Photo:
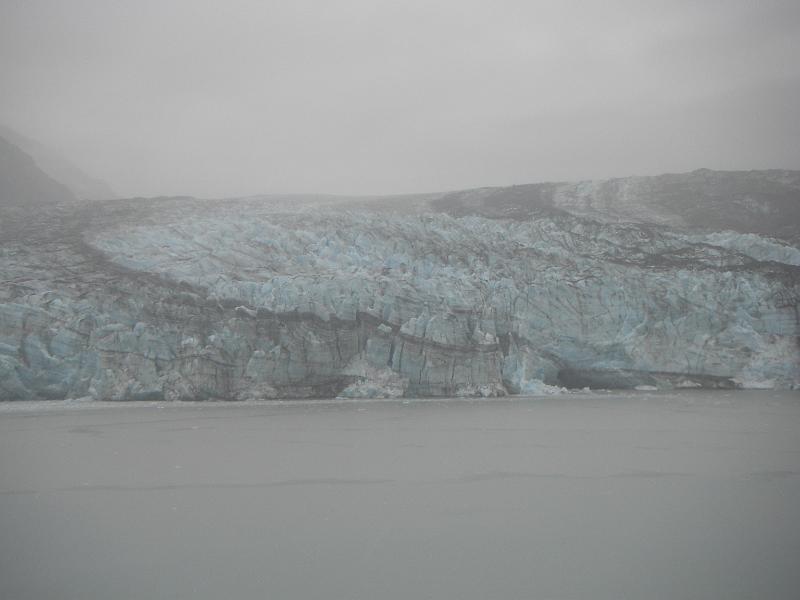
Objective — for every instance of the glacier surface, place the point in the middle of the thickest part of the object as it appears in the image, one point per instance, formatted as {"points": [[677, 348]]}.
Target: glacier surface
{"points": [[246, 299]]}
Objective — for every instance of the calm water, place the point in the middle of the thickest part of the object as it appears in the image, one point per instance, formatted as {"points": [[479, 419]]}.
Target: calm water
{"points": [[691, 495]]}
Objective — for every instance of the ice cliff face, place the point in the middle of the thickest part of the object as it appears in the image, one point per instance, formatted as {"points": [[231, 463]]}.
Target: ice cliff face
{"points": [[182, 299]]}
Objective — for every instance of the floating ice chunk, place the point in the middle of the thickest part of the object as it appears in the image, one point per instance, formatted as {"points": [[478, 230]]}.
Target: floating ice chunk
{"points": [[687, 384], [764, 384], [536, 387]]}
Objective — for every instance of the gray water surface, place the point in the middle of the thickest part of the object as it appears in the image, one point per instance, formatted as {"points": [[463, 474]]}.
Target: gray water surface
{"points": [[596, 496]]}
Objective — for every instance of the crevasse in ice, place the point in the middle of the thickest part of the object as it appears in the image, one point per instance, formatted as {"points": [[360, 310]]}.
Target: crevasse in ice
{"points": [[365, 304]]}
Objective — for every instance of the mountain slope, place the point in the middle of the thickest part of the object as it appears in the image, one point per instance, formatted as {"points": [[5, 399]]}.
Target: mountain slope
{"points": [[23, 184], [762, 202], [59, 168]]}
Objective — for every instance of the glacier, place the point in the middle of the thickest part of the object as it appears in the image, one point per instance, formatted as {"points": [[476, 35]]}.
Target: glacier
{"points": [[182, 299]]}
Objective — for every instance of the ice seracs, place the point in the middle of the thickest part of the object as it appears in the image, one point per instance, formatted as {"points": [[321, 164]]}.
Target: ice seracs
{"points": [[209, 302]]}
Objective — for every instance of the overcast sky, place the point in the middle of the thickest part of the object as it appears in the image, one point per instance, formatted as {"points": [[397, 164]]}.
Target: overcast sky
{"points": [[370, 96]]}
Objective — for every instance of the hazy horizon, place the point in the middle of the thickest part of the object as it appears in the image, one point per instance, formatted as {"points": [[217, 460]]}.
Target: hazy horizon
{"points": [[242, 98]]}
